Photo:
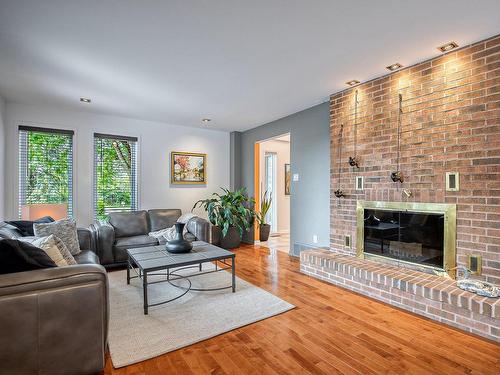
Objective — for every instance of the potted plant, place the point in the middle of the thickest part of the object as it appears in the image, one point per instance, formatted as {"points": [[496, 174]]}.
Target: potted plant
{"points": [[232, 215], [265, 204]]}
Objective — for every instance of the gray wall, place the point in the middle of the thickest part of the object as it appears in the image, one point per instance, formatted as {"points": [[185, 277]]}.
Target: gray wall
{"points": [[2, 159], [235, 160], [310, 158]]}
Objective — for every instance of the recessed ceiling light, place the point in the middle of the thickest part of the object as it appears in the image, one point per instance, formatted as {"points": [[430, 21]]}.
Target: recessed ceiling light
{"points": [[394, 67], [448, 46], [85, 100], [206, 120], [352, 82]]}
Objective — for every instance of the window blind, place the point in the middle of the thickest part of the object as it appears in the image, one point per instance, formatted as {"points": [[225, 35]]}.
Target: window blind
{"points": [[45, 171], [115, 174]]}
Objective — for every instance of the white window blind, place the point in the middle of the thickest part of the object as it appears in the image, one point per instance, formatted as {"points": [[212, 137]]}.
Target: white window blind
{"points": [[115, 174], [45, 172]]}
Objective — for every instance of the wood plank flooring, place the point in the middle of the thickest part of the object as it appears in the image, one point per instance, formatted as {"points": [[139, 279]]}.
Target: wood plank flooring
{"points": [[332, 331]]}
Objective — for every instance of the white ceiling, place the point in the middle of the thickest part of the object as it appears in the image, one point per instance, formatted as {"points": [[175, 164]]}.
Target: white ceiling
{"points": [[241, 63]]}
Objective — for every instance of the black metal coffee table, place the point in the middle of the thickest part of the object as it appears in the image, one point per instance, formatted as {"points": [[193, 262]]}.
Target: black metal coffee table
{"points": [[151, 260]]}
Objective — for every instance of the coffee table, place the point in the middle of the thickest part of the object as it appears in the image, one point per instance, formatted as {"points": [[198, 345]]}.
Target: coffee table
{"points": [[157, 261]]}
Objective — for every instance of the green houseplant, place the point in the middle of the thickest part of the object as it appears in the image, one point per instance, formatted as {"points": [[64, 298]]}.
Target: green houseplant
{"points": [[265, 204], [231, 213]]}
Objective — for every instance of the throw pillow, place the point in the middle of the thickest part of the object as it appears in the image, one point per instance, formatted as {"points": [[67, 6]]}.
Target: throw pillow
{"points": [[26, 226], [64, 229], [54, 247], [184, 218], [18, 256]]}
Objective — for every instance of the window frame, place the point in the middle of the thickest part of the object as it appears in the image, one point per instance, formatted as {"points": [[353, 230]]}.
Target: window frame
{"points": [[21, 181], [136, 139]]}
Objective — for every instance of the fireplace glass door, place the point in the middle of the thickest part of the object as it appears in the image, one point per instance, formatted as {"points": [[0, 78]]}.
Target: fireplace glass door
{"points": [[405, 236]]}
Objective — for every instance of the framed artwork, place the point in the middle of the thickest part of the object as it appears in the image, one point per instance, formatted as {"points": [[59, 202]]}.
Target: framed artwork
{"points": [[187, 168], [288, 178]]}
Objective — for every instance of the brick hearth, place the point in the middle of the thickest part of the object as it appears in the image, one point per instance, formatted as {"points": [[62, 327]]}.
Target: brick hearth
{"points": [[432, 296]]}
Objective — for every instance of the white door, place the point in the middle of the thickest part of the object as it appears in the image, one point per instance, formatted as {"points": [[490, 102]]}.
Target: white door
{"points": [[270, 186]]}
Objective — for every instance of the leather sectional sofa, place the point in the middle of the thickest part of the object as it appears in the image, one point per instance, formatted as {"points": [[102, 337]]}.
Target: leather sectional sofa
{"points": [[126, 230], [54, 320]]}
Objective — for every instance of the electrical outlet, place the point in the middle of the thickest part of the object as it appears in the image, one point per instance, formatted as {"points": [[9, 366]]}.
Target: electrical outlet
{"points": [[347, 241], [315, 238], [359, 183], [452, 181], [474, 263]]}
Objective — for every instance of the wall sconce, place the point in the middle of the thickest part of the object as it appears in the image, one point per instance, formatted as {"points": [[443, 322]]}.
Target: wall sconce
{"points": [[397, 177], [353, 161], [339, 193]]}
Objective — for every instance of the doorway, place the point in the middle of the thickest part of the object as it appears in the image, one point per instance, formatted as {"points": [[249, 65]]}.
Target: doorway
{"points": [[272, 175]]}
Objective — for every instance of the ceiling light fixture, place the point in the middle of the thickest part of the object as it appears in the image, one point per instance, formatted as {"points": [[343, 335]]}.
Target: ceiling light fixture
{"points": [[448, 46], [352, 82], [206, 120], [394, 67], [85, 100]]}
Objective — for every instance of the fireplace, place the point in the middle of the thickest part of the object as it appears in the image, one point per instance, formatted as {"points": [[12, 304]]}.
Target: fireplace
{"points": [[419, 236]]}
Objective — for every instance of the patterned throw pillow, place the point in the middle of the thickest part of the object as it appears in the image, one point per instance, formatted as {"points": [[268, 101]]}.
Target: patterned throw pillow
{"points": [[64, 229], [54, 247]]}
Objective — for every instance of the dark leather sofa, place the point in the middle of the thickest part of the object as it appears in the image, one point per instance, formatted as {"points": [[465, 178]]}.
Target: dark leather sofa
{"points": [[125, 230], [54, 320]]}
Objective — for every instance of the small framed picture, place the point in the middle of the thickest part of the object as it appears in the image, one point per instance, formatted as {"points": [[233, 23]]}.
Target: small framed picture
{"points": [[187, 168], [288, 179]]}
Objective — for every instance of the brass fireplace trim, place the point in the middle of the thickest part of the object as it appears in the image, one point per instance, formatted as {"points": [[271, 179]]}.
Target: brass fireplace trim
{"points": [[450, 228]]}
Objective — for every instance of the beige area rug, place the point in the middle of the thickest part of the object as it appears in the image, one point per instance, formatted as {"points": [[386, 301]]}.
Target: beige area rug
{"points": [[197, 316]]}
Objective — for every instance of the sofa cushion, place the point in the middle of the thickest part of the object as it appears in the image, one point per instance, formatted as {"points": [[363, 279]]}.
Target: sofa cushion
{"points": [[9, 231], [135, 241], [65, 229], [18, 256], [87, 257], [128, 224], [122, 244], [26, 226], [54, 247], [187, 236], [163, 218]]}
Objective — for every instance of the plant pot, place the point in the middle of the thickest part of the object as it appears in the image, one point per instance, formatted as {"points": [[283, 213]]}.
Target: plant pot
{"points": [[179, 244], [231, 240], [216, 235], [264, 230]]}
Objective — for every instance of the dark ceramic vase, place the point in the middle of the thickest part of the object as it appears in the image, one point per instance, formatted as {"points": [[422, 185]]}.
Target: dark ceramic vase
{"points": [[179, 244]]}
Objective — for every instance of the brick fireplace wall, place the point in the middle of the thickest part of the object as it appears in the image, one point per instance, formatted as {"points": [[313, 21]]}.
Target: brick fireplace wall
{"points": [[450, 123]]}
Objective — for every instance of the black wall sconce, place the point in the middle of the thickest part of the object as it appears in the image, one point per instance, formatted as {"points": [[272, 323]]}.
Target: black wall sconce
{"points": [[339, 193], [397, 177]]}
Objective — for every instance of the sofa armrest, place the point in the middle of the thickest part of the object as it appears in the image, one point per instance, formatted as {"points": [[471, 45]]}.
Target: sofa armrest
{"points": [[199, 228], [104, 238], [85, 239], [54, 320]]}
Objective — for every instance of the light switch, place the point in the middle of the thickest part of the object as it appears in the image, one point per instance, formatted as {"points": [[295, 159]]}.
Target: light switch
{"points": [[295, 177]]}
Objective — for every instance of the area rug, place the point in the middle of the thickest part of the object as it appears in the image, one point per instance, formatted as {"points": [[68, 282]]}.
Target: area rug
{"points": [[197, 316]]}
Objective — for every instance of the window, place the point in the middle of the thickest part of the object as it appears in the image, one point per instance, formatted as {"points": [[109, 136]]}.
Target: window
{"points": [[115, 174], [45, 173], [270, 168]]}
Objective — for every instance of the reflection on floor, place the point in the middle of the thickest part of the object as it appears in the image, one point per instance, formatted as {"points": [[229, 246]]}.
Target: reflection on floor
{"points": [[279, 242]]}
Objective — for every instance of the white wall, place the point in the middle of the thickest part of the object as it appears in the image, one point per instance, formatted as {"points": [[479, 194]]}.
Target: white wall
{"points": [[2, 158], [156, 141], [282, 150]]}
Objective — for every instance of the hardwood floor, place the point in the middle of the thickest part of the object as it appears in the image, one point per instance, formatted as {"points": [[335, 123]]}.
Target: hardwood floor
{"points": [[331, 331]]}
